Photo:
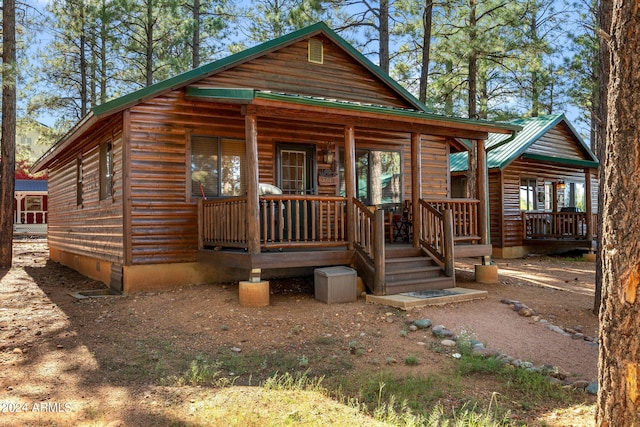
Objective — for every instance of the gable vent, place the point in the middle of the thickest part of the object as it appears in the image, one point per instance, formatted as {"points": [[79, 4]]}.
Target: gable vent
{"points": [[316, 54]]}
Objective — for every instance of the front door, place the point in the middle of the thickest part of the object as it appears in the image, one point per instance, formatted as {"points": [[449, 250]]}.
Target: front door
{"points": [[295, 176], [295, 169]]}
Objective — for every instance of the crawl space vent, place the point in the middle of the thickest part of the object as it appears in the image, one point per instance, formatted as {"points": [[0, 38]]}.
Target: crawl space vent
{"points": [[316, 54]]}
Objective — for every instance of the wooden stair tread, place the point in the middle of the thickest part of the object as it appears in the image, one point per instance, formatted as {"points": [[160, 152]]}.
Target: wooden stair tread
{"points": [[417, 269]]}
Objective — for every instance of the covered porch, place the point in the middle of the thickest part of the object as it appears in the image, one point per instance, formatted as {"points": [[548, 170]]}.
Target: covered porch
{"points": [[562, 229], [574, 225], [325, 219]]}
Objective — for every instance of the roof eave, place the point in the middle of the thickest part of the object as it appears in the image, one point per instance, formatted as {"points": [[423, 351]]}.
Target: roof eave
{"points": [[524, 147], [469, 124], [561, 160], [82, 126], [584, 145], [252, 96]]}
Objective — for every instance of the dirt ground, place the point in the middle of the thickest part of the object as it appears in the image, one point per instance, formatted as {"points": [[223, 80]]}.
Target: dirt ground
{"points": [[71, 362]]}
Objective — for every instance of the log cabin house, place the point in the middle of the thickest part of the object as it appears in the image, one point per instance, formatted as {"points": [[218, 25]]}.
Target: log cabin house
{"points": [[281, 158], [543, 188]]}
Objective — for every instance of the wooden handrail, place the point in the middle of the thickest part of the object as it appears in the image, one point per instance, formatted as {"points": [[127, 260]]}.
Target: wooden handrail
{"points": [[436, 234], [369, 241], [555, 225], [363, 218], [431, 231]]}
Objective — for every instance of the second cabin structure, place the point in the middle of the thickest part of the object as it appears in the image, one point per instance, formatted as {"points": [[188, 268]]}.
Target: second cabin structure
{"points": [[296, 153], [543, 188]]}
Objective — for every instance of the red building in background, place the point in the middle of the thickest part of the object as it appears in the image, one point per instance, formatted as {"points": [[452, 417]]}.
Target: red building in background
{"points": [[30, 204]]}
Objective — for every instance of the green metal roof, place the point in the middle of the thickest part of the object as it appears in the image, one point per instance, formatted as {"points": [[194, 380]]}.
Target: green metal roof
{"points": [[504, 149], [242, 94]]}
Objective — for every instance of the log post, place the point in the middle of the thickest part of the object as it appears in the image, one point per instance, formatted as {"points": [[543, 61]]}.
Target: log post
{"points": [[482, 195], [350, 180], [588, 205], [449, 266], [253, 200], [200, 225], [416, 186]]}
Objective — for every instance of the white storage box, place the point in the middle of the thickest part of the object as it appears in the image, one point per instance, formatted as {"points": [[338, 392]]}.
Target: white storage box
{"points": [[334, 285]]}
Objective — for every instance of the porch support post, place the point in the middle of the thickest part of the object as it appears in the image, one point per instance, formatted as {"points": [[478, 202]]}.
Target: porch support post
{"points": [[18, 214], [253, 201], [482, 195], [588, 204], [350, 179], [416, 186]]}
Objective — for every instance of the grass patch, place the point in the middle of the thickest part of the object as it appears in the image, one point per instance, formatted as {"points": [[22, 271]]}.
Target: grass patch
{"points": [[413, 392], [411, 360], [288, 399], [532, 388]]}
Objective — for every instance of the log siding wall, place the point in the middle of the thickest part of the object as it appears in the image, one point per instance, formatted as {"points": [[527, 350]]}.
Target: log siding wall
{"points": [[558, 142], [95, 228], [289, 71]]}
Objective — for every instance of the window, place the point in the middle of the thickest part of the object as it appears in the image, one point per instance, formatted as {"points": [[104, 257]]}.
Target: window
{"points": [[218, 167], [33, 203], [574, 196], [106, 170], [549, 195], [528, 194], [378, 178], [79, 181]]}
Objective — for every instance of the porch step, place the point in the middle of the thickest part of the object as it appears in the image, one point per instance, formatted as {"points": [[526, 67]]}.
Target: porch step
{"points": [[404, 251], [416, 272], [426, 284]]}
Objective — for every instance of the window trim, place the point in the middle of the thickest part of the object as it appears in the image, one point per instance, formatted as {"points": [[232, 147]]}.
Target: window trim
{"points": [[528, 180], [79, 179], [28, 200], [218, 140]]}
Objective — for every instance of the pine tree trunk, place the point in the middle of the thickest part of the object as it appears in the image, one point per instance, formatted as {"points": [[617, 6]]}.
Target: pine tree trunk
{"points": [[619, 395], [8, 151], [473, 64], [195, 55], [600, 131], [149, 47], [427, 20], [84, 97], [384, 35]]}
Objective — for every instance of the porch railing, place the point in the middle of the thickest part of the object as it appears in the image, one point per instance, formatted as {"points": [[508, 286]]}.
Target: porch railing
{"points": [[368, 224], [301, 220], [436, 234], [285, 221], [557, 225], [223, 222], [30, 217], [465, 217]]}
